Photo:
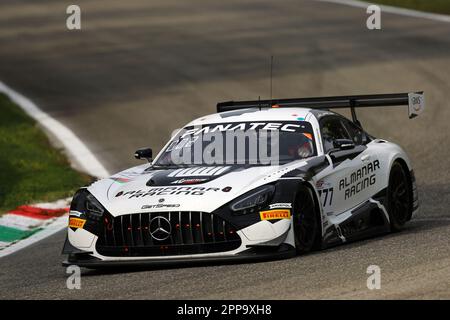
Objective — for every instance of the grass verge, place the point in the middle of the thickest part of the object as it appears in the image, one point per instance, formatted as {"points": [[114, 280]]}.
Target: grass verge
{"points": [[31, 170], [436, 6]]}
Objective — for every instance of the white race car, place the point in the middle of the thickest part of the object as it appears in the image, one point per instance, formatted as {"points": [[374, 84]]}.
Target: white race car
{"points": [[329, 183]]}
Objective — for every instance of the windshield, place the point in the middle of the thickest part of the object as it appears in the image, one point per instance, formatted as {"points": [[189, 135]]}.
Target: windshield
{"points": [[242, 143]]}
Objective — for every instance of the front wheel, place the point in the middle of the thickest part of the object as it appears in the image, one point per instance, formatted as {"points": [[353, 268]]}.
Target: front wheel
{"points": [[304, 220], [398, 197]]}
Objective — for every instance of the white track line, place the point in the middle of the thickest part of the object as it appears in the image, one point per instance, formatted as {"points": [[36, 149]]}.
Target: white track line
{"points": [[72, 144], [394, 10], [77, 149]]}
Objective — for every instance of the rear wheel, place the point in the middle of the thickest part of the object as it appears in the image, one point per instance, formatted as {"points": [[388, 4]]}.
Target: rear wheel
{"points": [[305, 220], [398, 197]]}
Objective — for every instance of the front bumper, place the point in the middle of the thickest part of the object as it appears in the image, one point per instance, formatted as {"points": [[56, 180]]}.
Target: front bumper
{"points": [[85, 259]]}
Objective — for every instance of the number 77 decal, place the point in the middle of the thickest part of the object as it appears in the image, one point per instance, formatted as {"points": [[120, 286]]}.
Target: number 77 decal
{"points": [[326, 196]]}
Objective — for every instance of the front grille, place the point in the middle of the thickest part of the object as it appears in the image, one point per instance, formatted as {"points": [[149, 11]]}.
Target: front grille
{"points": [[191, 233]]}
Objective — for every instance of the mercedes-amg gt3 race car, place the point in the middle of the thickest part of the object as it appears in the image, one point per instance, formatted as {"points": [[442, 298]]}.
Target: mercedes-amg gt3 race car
{"points": [[310, 178]]}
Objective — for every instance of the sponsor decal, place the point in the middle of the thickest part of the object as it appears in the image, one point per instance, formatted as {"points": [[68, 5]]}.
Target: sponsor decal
{"points": [[159, 206], [285, 205], [166, 191], [189, 181], [244, 126], [226, 189], [75, 213], [76, 223], [199, 171], [275, 214], [359, 179]]}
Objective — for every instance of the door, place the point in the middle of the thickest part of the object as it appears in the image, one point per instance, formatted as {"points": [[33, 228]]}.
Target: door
{"points": [[348, 181]]}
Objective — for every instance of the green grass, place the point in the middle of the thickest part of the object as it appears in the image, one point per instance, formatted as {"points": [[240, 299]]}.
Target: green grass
{"points": [[436, 6], [31, 170]]}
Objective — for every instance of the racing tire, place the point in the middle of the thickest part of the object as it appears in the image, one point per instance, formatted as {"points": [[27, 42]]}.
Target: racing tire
{"points": [[398, 197], [305, 220]]}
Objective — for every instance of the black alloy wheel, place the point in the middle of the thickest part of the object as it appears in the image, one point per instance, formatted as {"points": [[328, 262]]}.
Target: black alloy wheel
{"points": [[305, 220], [398, 197]]}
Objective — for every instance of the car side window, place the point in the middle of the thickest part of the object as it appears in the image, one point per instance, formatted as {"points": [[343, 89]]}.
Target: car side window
{"points": [[332, 128], [356, 134]]}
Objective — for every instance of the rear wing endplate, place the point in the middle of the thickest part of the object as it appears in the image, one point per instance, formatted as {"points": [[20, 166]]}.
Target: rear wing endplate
{"points": [[416, 104]]}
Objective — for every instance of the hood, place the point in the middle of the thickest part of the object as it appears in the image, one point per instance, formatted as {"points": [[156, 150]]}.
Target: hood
{"points": [[144, 189]]}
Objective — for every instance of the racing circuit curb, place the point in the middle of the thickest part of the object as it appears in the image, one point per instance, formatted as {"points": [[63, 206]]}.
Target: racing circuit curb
{"points": [[27, 224]]}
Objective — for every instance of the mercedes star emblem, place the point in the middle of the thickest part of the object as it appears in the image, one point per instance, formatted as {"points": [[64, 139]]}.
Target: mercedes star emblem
{"points": [[160, 228]]}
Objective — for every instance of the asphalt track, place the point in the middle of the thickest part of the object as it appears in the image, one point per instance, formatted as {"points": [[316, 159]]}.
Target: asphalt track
{"points": [[139, 69]]}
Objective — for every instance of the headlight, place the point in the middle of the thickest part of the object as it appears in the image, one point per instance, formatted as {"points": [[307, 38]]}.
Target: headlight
{"points": [[93, 208], [253, 200], [85, 203]]}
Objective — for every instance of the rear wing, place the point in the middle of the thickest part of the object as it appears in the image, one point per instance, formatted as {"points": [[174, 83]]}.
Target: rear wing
{"points": [[415, 102]]}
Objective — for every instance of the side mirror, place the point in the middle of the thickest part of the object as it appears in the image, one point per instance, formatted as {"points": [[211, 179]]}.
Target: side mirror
{"points": [[145, 153], [343, 144]]}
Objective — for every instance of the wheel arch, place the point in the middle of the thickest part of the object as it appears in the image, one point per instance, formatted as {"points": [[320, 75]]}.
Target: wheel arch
{"points": [[318, 212]]}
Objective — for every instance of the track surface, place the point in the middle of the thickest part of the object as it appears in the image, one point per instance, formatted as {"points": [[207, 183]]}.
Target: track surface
{"points": [[139, 69]]}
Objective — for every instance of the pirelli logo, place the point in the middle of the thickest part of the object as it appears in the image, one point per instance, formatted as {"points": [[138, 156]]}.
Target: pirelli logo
{"points": [[76, 223], [275, 214]]}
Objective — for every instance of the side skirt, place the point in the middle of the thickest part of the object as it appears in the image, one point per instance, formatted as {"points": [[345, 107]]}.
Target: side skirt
{"points": [[367, 220]]}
